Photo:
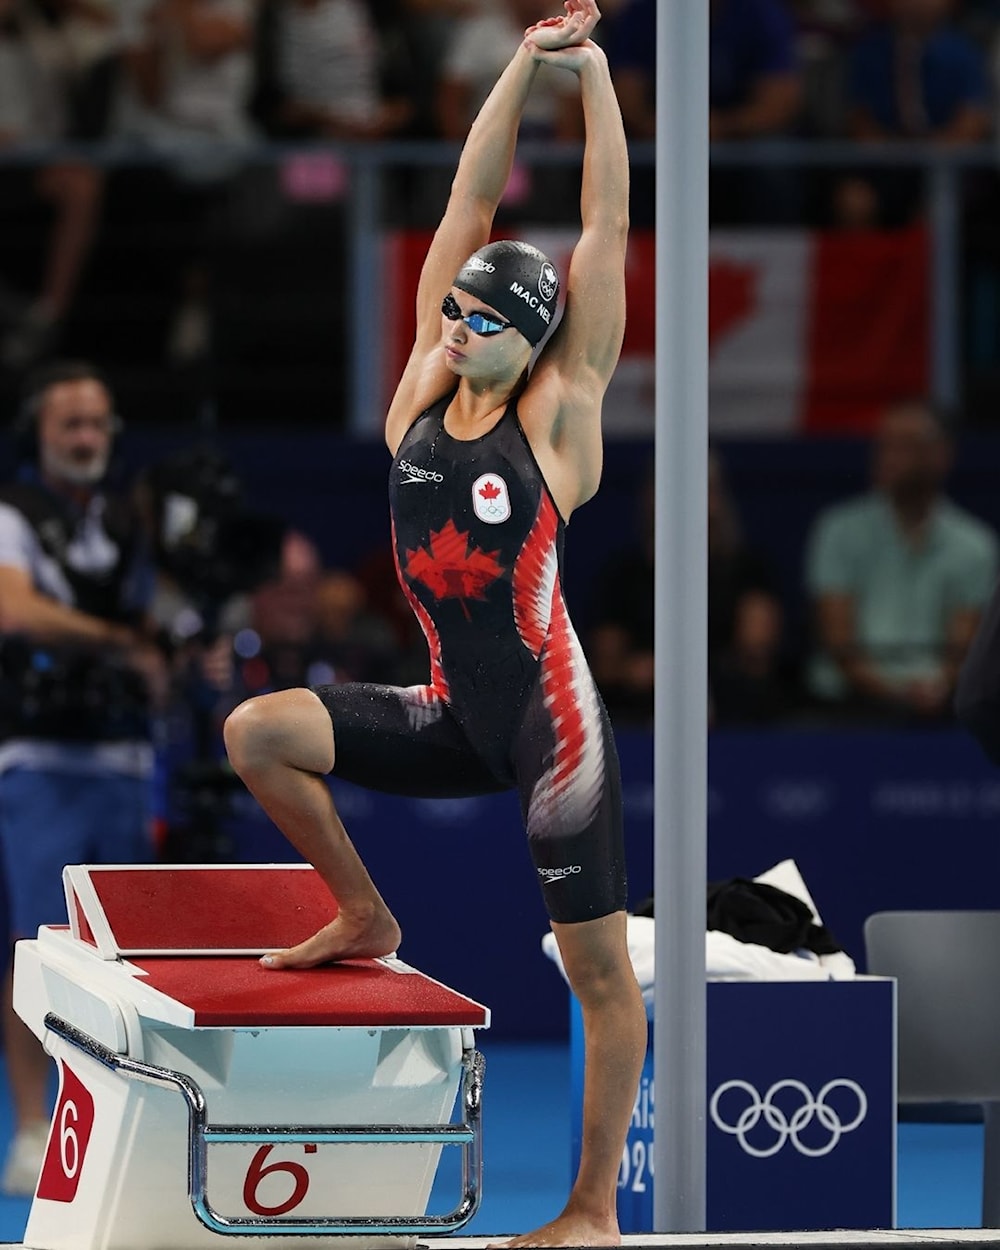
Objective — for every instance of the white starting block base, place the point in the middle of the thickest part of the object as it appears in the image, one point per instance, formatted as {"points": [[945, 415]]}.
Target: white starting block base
{"points": [[203, 1096]]}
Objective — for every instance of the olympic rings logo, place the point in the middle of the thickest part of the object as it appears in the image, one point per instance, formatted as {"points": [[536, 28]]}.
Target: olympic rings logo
{"points": [[788, 1127]]}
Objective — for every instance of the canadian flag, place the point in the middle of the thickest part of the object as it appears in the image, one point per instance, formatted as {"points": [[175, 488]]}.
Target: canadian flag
{"points": [[814, 332], [809, 332]]}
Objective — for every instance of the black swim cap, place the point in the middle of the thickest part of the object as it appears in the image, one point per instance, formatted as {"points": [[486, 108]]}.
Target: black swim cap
{"points": [[516, 279]]}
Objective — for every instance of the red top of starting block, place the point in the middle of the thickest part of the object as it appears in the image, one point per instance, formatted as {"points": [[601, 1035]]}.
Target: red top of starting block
{"points": [[182, 927], [370, 993]]}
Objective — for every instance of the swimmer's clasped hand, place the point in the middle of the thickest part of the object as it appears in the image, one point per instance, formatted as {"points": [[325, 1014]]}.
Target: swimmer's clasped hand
{"points": [[552, 33]]}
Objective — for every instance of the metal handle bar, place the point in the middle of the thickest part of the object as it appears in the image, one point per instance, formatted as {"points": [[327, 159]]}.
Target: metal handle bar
{"points": [[468, 1135]]}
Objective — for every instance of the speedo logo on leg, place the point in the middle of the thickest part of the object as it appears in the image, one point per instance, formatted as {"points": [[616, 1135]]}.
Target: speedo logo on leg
{"points": [[415, 474], [550, 875]]}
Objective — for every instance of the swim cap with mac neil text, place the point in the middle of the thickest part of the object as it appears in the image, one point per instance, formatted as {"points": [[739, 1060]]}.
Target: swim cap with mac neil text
{"points": [[516, 279]]}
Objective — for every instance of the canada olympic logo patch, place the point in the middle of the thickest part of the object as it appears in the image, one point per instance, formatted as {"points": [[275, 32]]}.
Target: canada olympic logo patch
{"points": [[490, 498]]}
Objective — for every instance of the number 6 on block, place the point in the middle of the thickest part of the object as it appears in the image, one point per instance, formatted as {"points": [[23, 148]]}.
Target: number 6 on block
{"points": [[68, 1139], [257, 1173]]}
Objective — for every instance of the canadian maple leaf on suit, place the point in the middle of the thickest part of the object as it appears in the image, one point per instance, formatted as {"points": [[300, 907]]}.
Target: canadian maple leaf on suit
{"points": [[451, 566]]}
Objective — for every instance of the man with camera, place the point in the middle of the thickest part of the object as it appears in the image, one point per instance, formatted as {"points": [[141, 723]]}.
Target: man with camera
{"points": [[79, 677]]}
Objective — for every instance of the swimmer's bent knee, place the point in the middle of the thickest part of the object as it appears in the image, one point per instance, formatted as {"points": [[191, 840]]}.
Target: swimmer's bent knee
{"points": [[244, 727], [288, 727]]}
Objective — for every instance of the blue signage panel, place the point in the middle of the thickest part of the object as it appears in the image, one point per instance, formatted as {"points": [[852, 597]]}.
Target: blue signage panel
{"points": [[801, 1127]]}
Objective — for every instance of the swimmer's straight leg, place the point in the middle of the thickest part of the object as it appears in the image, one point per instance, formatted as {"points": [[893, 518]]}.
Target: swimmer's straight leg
{"points": [[595, 956], [282, 747]]}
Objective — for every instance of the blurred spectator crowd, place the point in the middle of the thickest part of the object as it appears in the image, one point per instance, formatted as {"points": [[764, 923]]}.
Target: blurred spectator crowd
{"points": [[891, 585], [171, 72], [168, 81]]}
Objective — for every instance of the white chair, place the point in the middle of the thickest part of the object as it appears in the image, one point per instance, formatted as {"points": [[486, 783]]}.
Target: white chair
{"points": [[947, 966]]}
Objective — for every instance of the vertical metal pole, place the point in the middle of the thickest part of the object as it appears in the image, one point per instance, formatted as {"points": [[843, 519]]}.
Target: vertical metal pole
{"points": [[946, 248], [680, 752], [365, 398]]}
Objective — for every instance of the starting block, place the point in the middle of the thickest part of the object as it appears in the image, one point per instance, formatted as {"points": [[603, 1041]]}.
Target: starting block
{"points": [[202, 1095]]}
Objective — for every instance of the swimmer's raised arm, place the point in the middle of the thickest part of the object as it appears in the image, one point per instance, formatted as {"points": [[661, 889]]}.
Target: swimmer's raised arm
{"points": [[488, 156], [561, 411], [483, 170], [590, 334]]}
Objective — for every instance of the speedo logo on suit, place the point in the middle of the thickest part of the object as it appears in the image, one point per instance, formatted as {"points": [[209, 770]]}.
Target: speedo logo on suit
{"points": [[415, 474], [550, 876]]}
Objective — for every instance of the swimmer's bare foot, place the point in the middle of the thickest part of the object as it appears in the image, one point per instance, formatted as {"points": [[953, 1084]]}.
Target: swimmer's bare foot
{"points": [[347, 937], [570, 1229]]}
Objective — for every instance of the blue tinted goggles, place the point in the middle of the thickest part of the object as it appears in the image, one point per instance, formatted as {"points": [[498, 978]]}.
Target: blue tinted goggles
{"points": [[477, 322]]}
